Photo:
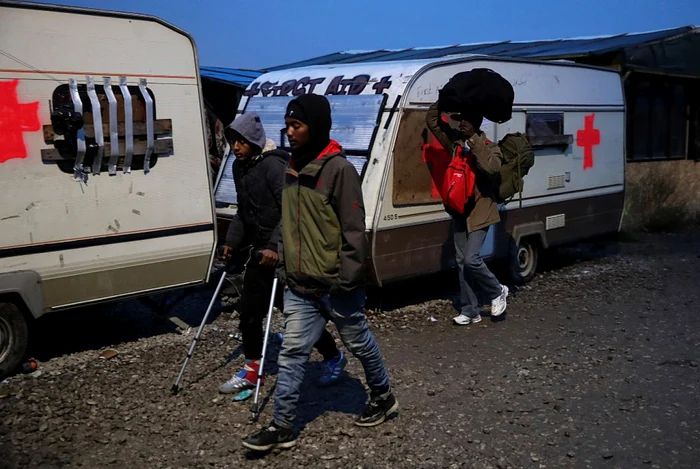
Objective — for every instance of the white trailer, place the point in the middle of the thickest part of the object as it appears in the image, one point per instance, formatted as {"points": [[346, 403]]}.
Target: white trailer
{"points": [[572, 114], [104, 172]]}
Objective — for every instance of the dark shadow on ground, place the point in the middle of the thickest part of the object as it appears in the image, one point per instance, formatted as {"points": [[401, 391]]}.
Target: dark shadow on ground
{"points": [[96, 327], [99, 326], [445, 285]]}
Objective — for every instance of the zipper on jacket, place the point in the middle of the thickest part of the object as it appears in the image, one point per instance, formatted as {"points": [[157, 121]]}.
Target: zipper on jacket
{"points": [[299, 221]]}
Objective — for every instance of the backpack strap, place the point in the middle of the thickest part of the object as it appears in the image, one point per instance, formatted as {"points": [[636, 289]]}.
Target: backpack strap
{"points": [[520, 182]]}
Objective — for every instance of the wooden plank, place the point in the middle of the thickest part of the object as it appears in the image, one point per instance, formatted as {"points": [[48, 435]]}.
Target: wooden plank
{"points": [[161, 146], [160, 126], [413, 181]]}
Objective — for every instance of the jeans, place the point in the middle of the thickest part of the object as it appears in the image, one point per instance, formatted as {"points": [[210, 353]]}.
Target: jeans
{"points": [[473, 273], [304, 321], [254, 304]]}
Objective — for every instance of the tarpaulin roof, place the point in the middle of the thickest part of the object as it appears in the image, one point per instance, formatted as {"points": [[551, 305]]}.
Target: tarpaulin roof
{"points": [[548, 49], [234, 76]]}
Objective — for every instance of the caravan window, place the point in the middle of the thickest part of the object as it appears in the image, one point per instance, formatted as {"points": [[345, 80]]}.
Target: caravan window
{"points": [[355, 121], [546, 130], [419, 162]]}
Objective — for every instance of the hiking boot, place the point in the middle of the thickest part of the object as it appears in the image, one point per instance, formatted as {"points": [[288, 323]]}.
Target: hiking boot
{"points": [[464, 320], [377, 410], [270, 438], [499, 304], [332, 369], [247, 378]]}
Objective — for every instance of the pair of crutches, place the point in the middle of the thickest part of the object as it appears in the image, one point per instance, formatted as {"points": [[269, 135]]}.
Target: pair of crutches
{"points": [[255, 408]]}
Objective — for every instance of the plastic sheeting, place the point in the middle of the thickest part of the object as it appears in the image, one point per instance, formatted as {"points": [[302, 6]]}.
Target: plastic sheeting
{"points": [[354, 119]]}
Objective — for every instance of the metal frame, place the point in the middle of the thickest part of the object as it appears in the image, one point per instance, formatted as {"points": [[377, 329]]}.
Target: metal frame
{"points": [[80, 134], [97, 120], [128, 124], [113, 127], [143, 87]]}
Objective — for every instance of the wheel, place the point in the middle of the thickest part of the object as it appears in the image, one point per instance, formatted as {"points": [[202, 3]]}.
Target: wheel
{"points": [[523, 260], [14, 337]]}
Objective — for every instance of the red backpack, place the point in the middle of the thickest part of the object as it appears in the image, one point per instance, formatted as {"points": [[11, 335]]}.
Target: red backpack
{"points": [[458, 186]]}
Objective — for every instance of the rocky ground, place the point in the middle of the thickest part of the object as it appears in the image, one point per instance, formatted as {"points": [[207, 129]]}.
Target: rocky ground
{"points": [[594, 366]]}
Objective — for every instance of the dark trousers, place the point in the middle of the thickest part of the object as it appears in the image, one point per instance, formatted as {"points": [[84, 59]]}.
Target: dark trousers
{"points": [[474, 275], [255, 300]]}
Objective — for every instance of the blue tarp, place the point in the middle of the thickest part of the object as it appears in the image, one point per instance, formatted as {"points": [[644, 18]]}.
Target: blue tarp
{"points": [[233, 76]]}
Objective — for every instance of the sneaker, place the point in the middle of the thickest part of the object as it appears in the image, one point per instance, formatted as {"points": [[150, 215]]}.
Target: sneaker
{"points": [[270, 438], [498, 304], [464, 320], [247, 378], [332, 369], [377, 410]]}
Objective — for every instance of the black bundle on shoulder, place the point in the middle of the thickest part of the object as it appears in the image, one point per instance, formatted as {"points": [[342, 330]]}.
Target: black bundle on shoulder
{"points": [[479, 91]]}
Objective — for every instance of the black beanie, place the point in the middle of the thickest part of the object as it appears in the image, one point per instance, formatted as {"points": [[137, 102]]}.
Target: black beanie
{"points": [[315, 111]]}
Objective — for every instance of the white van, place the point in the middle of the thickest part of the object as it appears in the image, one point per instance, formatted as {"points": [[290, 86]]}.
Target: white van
{"points": [[572, 114], [104, 172]]}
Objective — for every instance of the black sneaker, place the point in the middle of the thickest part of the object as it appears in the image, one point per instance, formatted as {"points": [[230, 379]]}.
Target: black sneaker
{"points": [[377, 410], [270, 438]]}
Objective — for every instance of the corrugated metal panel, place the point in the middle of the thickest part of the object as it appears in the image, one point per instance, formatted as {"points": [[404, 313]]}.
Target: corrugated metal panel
{"points": [[559, 48], [507, 48], [226, 191], [369, 56], [453, 50], [324, 59], [355, 119], [601, 46]]}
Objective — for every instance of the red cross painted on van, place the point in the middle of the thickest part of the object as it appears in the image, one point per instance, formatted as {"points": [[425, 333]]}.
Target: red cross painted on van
{"points": [[588, 137], [15, 119]]}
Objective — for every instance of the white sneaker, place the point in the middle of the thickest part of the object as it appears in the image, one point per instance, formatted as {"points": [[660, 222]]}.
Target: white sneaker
{"points": [[464, 320], [499, 304]]}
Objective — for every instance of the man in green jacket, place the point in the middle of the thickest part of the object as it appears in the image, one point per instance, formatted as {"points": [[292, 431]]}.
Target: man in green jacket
{"points": [[469, 230], [322, 255]]}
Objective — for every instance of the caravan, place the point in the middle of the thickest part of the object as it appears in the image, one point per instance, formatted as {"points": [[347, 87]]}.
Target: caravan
{"points": [[573, 116], [104, 173]]}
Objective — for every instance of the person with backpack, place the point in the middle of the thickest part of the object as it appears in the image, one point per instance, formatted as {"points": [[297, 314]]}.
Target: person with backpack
{"points": [[258, 173], [322, 253], [475, 168]]}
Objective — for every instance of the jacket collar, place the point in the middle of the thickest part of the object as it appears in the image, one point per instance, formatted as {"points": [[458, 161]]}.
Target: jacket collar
{"points": [[314, 167]]}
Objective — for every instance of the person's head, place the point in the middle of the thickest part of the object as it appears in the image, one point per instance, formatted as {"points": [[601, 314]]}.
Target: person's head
{"points": [[467, 122], [308, 121], [246, 136]]}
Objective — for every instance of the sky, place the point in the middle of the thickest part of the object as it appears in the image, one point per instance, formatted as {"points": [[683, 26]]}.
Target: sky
{"points": [[264, 33]]}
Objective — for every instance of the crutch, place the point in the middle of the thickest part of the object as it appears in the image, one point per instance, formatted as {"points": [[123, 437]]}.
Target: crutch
{"points": [[175, 387], [255, 410]]}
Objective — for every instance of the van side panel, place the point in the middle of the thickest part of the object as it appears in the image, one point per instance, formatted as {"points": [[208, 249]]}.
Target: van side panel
{"points": [[106, 236]]}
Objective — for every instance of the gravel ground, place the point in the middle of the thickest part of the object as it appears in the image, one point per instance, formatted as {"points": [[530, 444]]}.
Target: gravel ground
{"points": [[594, 366]]}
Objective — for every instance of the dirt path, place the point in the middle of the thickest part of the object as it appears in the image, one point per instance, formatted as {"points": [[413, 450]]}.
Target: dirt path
{"points": [[595, 365]]}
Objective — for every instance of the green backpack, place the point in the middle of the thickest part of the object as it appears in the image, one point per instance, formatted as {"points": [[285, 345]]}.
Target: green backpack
{"points": [[518, 158]]}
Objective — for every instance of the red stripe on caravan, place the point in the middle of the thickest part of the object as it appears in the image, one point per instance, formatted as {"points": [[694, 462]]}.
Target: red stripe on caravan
{"points": [[101, 74]]}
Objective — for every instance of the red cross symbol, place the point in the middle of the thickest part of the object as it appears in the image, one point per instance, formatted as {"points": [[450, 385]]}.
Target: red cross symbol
{"points": [[15, 118], [587, 138]]}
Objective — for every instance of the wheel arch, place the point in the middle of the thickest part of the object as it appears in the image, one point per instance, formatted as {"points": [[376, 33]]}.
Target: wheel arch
{"points": [[26, 286]]}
